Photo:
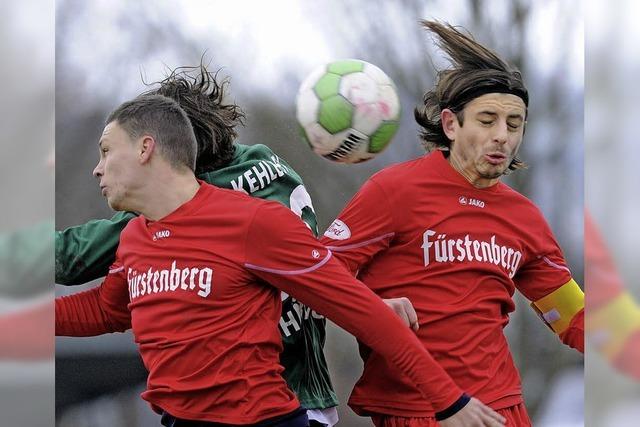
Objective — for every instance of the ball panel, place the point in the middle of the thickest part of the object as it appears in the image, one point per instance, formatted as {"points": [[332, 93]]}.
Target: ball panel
{"points": [[327, 85], [358, 88], [381, 137], [377, 74], [313, 78], [349, 144], [335, 114], [366, 117], [361, 158], [388, 103], [321, 141], [360, 153], [307, 107], [345, 66]]}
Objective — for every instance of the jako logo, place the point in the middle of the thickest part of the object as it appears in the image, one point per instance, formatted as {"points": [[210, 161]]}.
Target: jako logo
{"points": [[161, 234], [471, 202]]}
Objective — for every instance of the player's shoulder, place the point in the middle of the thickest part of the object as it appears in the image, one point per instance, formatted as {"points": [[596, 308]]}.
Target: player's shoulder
{"points": [[219, 197], [246, 153], [133, 226], [236, 201], [402, 172], [517, 200]]}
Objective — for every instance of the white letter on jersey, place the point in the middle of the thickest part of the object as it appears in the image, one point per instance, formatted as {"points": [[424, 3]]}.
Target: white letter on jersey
{"points": [[205, 282], [426, 244]]}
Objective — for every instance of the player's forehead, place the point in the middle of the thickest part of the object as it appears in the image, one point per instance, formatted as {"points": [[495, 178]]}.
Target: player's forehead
{"points": [[497, 103], [112, 132]]}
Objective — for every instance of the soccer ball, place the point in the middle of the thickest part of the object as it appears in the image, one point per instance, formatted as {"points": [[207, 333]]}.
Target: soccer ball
{"points": [[348, 110]]}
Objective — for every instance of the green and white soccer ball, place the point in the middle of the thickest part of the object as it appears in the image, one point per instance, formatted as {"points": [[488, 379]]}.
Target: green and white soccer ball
{"points": [[349, 110]]}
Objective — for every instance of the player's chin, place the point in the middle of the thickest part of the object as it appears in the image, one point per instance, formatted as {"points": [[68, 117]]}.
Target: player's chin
{"points": [[115, 204], [493, 172]]}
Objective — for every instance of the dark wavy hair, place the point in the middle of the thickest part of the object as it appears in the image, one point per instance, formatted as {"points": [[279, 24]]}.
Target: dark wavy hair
{"points": [[214, 121], [161, 117], [475, 71]]}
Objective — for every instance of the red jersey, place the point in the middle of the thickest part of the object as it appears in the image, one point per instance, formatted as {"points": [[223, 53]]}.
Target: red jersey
{"points": [[420, 230], [205, 318]]}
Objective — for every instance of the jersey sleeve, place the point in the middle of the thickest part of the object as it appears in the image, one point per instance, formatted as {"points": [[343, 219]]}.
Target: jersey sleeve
{"points": [[97, 311], [85, 252], [282, 252], [545, 269], [546, 281], [364, 228]]}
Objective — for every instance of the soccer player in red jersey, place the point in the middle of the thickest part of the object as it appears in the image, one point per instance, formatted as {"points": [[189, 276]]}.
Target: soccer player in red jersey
{"points": [[192, 279], [444, 232], [84, 252]]}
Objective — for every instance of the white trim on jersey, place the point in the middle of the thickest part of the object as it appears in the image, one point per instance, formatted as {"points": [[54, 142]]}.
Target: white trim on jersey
{"points": [[116, 270], [361, 244], [290, 272], [553, 264]]}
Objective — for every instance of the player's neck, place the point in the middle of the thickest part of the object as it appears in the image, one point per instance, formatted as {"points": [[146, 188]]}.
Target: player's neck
{"points": [[166, 193], [467, 171]]}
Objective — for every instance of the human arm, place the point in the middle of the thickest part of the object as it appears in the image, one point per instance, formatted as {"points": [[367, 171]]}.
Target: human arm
{"points": [[474, 414], [546, 281], [85, 252], [97, 311], [404, 309], [363, 229], [563, 311], [281, 251]]}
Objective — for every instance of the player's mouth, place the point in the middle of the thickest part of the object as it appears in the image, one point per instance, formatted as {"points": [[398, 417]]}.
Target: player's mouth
{"points": [[103, 190], [495, 158]]}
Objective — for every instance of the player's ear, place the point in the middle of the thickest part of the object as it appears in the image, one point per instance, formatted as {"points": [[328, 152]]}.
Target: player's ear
{"points": [[147, 146], [449, 121]]}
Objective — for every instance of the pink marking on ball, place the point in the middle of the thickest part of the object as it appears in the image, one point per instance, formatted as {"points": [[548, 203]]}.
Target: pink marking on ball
{"points": [[384, 108]]}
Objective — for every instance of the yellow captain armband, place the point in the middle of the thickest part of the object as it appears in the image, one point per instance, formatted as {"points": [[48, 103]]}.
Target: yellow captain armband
{"points": [[558, 308], [609, 326]]}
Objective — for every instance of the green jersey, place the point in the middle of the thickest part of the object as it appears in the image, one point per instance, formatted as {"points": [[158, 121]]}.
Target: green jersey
{"points": [[85, 252]]}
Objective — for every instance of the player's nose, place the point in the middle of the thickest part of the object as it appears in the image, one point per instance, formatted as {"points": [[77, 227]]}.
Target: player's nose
{"points": [[98, 171], [501, 133]]}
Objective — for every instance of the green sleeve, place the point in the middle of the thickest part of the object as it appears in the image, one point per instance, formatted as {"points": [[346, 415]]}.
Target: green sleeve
{"points": [[26, 261], [85, 252]]}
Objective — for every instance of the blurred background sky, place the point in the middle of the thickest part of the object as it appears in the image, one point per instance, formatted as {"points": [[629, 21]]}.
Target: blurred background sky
{"points": [[106, 49]]}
